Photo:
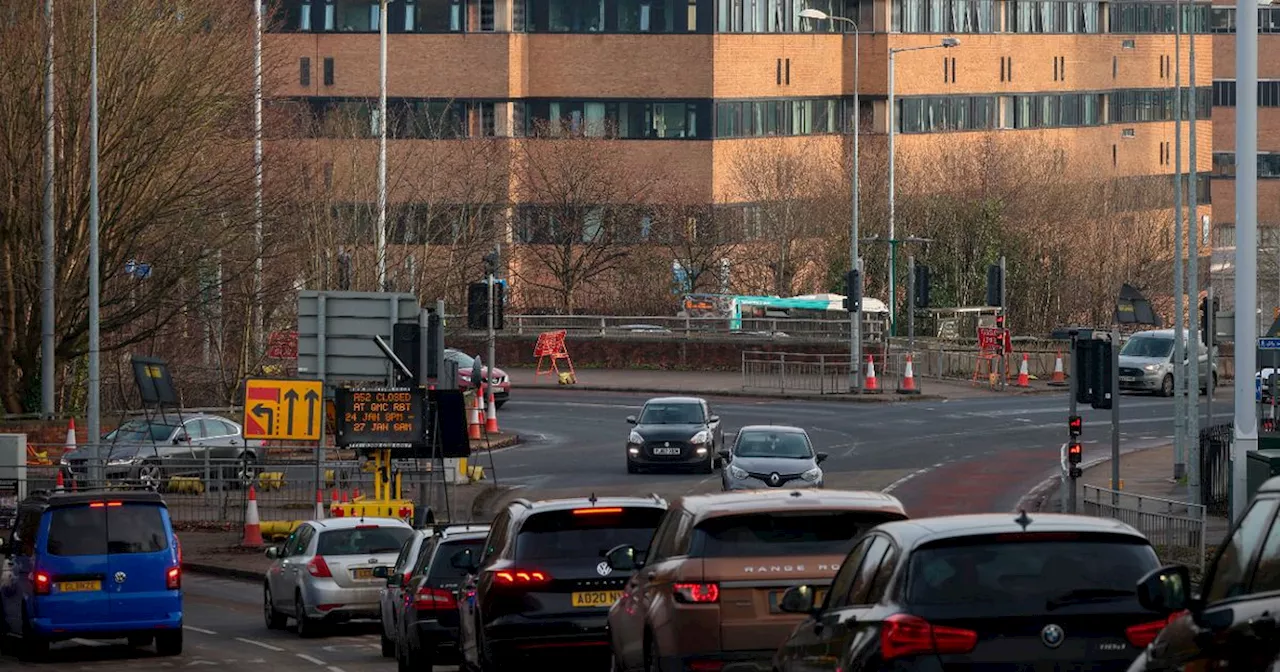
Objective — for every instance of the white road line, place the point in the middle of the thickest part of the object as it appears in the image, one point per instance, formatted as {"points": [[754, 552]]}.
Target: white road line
{"points": [[310, 659], [202, 631], [919, 472], [88, 642], [335, 668], [257, 643]]}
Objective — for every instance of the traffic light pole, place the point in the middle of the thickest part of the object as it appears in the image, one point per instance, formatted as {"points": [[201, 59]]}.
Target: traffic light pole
{"points": [[1115, 408], [1004, 310], [492, 345], [1074, 383], [911, 305]]}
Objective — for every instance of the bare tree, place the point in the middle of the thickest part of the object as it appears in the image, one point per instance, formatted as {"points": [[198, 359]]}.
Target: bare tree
{"points": [[699, 239]]}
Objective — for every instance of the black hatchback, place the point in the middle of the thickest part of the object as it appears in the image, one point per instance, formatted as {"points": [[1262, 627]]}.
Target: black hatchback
{"points": [[980, 592], [674, 432]]}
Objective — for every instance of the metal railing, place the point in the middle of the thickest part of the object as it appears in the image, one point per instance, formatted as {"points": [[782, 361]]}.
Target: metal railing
{"points": [[795, 372], [1176, 529], [1215, 467]]}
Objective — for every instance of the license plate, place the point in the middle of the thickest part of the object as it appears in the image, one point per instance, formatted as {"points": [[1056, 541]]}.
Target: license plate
{"points": [[596, 598], [1127, 379], [362, 573], [79, 586], [666, 451], [775, 599]]}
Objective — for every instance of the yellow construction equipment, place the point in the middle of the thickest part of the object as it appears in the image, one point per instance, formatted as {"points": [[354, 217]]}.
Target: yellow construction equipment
{"points": [[387, 501]]}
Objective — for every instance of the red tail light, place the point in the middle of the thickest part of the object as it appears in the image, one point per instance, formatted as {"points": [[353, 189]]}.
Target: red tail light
{"points": [[1144, 633], [319, 568], [434, 599], [43, 584], [173, 578], [905, 635], [596, 512], [697, 593], [520, 577]]}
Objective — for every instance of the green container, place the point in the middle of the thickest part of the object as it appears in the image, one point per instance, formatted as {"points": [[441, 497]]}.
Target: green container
{"points": [[1262, 465]]}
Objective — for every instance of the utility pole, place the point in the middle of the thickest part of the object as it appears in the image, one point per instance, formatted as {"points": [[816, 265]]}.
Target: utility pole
{"points": [[491, 262], [1193, 272], [94, 400], [1075, 426], [1246, 271], [258, 323], [48, 318], [911, 305], [1179, 288], [1114, 385], [1004, 313], [381, 242]]}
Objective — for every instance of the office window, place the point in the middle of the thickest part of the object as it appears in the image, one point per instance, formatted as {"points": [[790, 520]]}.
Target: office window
{"points": [[408, 118], [778, 16], [946, 16], [1224, 164], [1052, 110], [575, 16], [1053, 16], [440, 16], [304, 71], [932, 114], [1224, 93], [328, 71], [627, 120], [1150, 17], [1134, 105], [1223, 19], [786, 116]]}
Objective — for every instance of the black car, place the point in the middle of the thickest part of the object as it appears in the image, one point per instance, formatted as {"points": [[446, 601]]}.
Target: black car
{"points": [[428, 625], [541, 584], [1233, 624], [674, 432], [988, 591]]}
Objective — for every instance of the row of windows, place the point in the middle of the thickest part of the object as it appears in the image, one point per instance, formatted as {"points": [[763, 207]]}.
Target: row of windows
{"points": [[408, 118], [628, 120], [748, 118], [1224, 93], [1134, 105], [932, 114], [1224, 164], [1223, 20]]}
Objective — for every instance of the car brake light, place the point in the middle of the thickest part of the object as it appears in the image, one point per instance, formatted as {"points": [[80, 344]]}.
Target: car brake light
{"points": [[173, 578], [367, 527], [697, 593], [1144, 633], [99, 505], [602, 510], [520, 577], [906, 635], [431, 599], [43, 584], [318, 567]]}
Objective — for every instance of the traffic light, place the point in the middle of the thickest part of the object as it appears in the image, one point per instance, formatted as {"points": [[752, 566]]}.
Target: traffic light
{"points": [[478, 305], [922, 286], [435, 340], [491, 263], [1075, 425], [1075, 452], [1000, 321], [995, 285], [406, 343], [1208, 315], [853, 291], [1095, 372]]}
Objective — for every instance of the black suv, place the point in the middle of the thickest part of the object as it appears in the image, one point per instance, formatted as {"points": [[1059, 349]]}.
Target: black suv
{"points": [[1234, 623], [541, 584], [428, 623], [980, 592]]}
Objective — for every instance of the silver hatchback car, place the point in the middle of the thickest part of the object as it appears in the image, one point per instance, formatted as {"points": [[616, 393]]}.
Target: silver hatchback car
{"points": [[324, 572]]}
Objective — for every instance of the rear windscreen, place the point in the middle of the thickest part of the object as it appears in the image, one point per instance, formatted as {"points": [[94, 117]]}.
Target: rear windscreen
{"points": [[1023, 573], [363, 541], [783, 533], [442, 569], [129, 528], [577, 534]]}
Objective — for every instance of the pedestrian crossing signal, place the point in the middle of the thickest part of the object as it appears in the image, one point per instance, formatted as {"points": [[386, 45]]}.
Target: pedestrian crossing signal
{"points": [[1074, 452], [1075, 425]]}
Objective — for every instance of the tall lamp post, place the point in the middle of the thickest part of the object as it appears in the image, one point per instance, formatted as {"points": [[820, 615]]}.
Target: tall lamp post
{"points": [[947, 43], [94, 399], [381, 241], [855, 316]]}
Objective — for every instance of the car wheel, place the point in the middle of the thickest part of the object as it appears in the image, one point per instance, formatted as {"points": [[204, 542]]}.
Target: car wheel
{"points": [[151, 475], [140, 641], [307, 627], [708, 467], [1166, 385], [169, 643], [275, 620], [33, 647], [632, 468], [388, 646]]}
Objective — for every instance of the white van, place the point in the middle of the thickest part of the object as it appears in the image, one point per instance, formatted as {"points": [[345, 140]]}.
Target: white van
{"points": [[1146, 362]]}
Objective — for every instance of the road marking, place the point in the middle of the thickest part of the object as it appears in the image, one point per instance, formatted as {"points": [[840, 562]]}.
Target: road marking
{"points": [[202, 631], [310, 659], [919, 472], [257, 643], [88, 642], [335, 668]]}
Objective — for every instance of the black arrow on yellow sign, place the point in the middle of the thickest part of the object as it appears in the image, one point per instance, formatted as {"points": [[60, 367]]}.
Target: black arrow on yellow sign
{"points": [[260, 410], [292, 397], [312, 398]]}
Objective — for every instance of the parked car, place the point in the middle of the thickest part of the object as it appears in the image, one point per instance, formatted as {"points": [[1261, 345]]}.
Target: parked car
{"points": [[986, 591], [674, 432], [1232, 622], [428, 632], [771, 456], [499, 381], [148, 451], [93, 564], [393, 594], [323, 574], [705, 595]]}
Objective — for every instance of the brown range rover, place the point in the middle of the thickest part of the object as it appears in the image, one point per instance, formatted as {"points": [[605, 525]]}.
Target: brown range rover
{"points": [[705, 596]]}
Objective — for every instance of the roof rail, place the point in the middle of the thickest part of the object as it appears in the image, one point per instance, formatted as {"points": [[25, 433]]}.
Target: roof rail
{"points": [[657, 498], [522, 502]]}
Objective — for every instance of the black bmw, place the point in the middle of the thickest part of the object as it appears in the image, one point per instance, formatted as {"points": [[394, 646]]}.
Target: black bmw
{"points": [[675, 432]]}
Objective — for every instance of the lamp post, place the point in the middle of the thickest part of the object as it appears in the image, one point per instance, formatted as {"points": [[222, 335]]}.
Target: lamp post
{"points": [[946, 43], [48, 324], [855, 316], [93, 400], [258, 323], [381, 241]]}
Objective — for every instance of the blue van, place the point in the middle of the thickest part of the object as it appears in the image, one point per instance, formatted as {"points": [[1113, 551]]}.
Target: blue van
{"points": [[95, 565]]}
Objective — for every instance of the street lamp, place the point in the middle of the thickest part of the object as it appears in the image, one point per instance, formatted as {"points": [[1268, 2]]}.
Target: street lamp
{"points": [[946, 43], [855, 316], [381, 238]]}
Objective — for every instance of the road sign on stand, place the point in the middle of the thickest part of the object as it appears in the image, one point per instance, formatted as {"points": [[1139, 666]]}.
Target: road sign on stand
{"points": [[282, 410], [383, 418], [1269, 343]]}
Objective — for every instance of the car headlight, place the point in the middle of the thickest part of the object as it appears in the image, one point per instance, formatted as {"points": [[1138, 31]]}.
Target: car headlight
{"points": [[812, 475], [737, 473], [122, 461], [1151, 367], [635, 438], [64, 462], [701, 437]]}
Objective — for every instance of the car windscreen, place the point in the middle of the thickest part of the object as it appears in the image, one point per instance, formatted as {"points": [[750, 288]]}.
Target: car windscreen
{"points": [[442, 571], [585, 533], [1147, 346], [671, 414], [464, 360], [1027, 573], [783, 533], [773, 444], [135, 430], [363, 540], [107, 529]]}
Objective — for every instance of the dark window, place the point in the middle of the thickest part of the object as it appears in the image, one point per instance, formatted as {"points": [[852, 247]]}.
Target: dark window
{"points": [[949, 16], [141, 431], [841, 585], [565, 534], [783, 533], [304, 71], [84, 530], [442, 570], [363, 541], [135, 528], [78, 530], [1231, 573], [671, 414], [1020, 573], [328, 71], [859, 592], [764, 443]]}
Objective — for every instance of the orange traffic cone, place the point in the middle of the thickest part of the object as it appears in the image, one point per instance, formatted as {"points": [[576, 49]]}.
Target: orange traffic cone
{"points": [[1059, 378], [871, 385], [71, 435], [319, 504], [491, 417], [58, 484], [908, 379], [333, 502], [344, 497], [1024, 379], [473, 421], [252, 526]]}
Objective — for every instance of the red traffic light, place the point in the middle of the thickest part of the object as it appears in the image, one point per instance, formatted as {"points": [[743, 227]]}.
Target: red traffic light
{"points": [[1074, 453], [1076, 425]]}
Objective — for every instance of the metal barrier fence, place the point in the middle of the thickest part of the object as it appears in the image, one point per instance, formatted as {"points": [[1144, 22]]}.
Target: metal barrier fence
{"points": [[1176, 529], [795, 372], [1215, 467]]}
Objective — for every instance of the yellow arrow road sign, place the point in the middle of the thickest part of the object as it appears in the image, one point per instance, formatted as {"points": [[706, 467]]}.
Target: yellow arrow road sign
{"points": [[283, 410]]}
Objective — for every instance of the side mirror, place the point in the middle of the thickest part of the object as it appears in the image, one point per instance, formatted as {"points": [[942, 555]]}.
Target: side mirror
{"points": [[464, 560], [380, 572], [714, 419], [631, 419], [177, 440], [820, 458], [725, 455], [273, 552], [1165, 590], [622, 558], [797, 600]]}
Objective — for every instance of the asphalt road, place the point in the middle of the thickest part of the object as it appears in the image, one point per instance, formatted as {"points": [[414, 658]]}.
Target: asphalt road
{"points": [[224, 629], [945, 457]]}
